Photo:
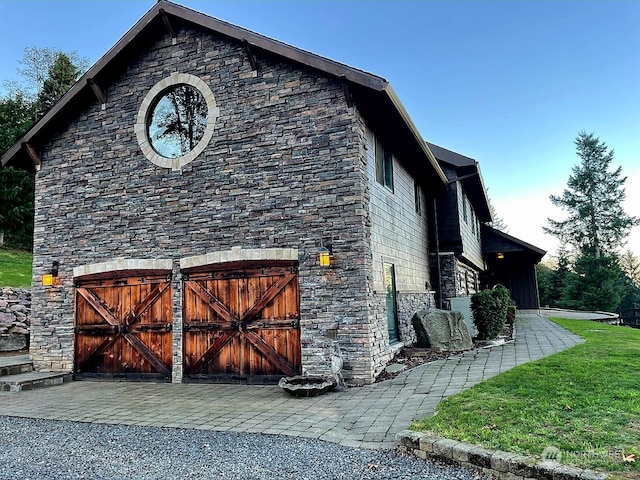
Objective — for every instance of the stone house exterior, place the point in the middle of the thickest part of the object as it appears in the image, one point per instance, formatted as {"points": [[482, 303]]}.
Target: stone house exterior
{"points": [[186, 189]]}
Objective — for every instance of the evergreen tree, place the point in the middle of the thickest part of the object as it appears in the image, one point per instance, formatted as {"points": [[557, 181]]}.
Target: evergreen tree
{"points": [[593, 198], [16, 116], [16, 187], [544, 274], [597, 283], [497, 222], [62, 75], [16, 207], [631, 267], [35, 67], [18, 111], [559, 279]]}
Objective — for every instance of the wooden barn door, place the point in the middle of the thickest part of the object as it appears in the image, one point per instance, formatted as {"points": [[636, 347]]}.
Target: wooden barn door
{"points": [[123, 328], [242, 323]]}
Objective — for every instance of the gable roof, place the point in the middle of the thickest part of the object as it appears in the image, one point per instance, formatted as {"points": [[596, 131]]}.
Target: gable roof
{"points": [[374, 96], [494, 241], [467, 171]]}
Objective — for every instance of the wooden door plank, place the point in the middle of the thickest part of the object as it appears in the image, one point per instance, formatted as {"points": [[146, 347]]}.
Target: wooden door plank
{"points": [[92, 358], [212, 301], [149, 300], [93, 300], [213, 350], [136, 343], [270, 354], [267, 297]]}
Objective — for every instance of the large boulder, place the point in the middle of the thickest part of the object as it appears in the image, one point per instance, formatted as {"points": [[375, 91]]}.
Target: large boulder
{"points": [[441, 329]]}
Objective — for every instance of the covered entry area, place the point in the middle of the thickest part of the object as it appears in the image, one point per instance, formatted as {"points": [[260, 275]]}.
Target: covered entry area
{"points": [[241, 321], [512, 263]]}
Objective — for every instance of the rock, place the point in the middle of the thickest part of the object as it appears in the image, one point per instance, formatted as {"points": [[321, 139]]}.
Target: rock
{"points": [[6, 319], [15, 308], [10, 342], [442, 329], [395, 368], [18, 330]]}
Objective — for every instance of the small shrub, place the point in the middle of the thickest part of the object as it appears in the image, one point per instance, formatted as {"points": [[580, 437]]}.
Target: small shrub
{"points": [[489, 309]]}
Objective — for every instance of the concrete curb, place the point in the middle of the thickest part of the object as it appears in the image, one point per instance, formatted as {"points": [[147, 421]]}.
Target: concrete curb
{"points": [[502, 465]]}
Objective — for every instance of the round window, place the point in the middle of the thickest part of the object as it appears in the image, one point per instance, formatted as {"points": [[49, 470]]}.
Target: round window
{"points": [[176, 120]]}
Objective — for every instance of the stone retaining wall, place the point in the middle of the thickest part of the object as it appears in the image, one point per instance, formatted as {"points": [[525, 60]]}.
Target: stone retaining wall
{"points": [[15, 311], [502, 465]]}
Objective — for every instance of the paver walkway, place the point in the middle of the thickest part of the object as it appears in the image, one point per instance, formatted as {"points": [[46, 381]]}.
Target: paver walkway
{"points": [[367, 417]]}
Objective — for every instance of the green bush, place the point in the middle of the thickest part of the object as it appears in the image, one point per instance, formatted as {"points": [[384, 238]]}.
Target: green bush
{"points": [[489, 309]]}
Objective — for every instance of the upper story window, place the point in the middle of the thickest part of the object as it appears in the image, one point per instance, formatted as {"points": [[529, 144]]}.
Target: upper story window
{"points": [[416, 194], [384, 166], [465, 215], [176, 120]]}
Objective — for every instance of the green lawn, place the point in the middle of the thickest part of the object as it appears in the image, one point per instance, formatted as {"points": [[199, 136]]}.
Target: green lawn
{"points": [[15, 268], [584, 401]]}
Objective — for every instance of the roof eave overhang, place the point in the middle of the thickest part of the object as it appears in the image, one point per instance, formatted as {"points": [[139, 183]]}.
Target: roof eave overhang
{"points": [[535, 252], [483, 210], [413, 130], [357, 78]]}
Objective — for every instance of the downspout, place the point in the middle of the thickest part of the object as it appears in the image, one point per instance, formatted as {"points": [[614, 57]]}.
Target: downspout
{"points": [[437, 242]]}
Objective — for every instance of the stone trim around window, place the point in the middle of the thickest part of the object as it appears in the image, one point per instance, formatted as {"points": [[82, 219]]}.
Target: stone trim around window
{"points": [[145, 110]]}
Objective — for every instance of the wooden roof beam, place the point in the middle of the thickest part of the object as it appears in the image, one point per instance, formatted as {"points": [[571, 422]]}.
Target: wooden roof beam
{"points": [[33, 155], [347, 93], [252, 58], [97, 91], [167, 23]]}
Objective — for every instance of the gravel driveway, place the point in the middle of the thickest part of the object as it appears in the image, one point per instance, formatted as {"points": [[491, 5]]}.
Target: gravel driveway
{"points": [[45, 449]]}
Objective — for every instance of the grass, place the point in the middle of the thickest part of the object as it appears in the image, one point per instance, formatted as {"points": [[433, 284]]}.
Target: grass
{"points": [[584, 401], [15, 268]]}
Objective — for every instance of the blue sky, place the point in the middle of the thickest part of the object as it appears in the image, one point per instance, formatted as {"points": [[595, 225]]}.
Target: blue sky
{"points": [[509, 83]]}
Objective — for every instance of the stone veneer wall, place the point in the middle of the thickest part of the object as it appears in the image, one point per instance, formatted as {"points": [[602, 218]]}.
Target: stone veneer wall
{"points": [[285, 168], [458, 279]]}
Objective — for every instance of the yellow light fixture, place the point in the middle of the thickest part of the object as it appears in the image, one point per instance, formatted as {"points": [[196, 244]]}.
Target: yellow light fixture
{"points": [[47, 278], [324, 257], [500, 255]]}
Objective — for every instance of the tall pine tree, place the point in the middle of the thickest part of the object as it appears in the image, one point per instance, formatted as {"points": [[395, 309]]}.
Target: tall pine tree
{"points": [[593, 199], [62, 75]]}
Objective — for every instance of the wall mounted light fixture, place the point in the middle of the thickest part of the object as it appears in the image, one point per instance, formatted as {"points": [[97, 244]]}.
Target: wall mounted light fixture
{"points": [[47, 278], [324, 256], [500, 255]]}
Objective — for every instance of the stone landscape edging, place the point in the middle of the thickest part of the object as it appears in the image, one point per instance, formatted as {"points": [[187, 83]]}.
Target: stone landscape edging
{"points": [[503, 465]]}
